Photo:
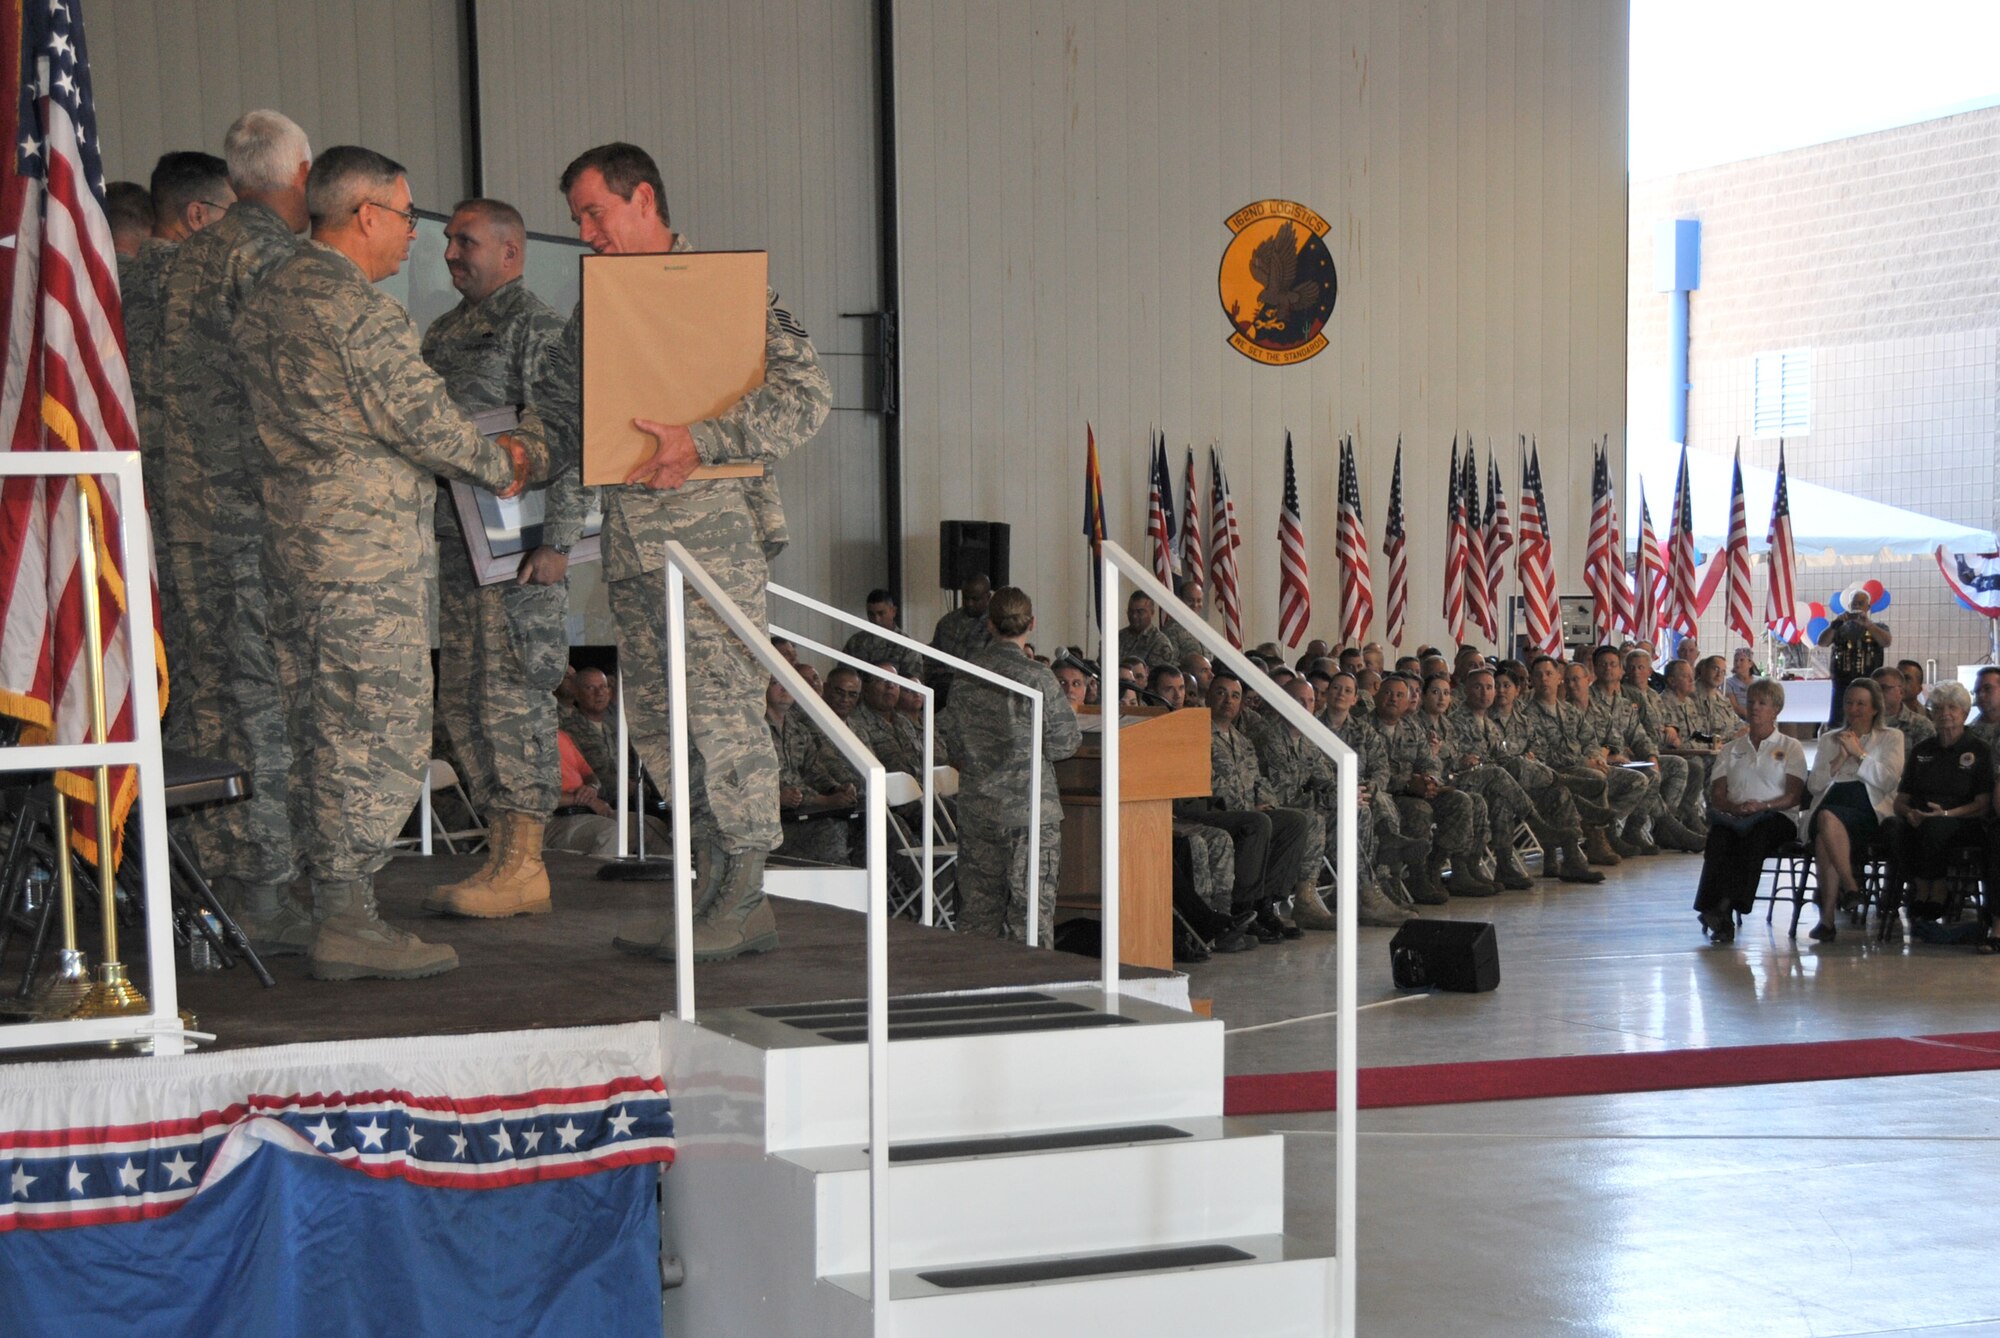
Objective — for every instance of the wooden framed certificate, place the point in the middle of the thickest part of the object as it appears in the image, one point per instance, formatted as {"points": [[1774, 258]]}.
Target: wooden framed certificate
{"points": [[676, 338]]}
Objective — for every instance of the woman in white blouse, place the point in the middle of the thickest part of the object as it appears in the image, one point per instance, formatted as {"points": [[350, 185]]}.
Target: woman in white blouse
{"points": [[1853, 782], [1754, 788]]}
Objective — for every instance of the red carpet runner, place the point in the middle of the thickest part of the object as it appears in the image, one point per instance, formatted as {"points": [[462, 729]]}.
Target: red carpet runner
{"points": [[1600, 1075]]}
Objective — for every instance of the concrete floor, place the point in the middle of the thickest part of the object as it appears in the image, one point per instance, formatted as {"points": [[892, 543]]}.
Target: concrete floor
{"points": [[1834, 1208]]}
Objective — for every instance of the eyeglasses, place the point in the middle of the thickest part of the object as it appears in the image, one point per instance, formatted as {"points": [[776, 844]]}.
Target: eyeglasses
{"points": [[409, 216]]}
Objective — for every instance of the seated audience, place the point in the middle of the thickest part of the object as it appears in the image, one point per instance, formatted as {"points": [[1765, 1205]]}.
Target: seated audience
{"points": [[1946, 792], [1754, 787], [1853, 783]]}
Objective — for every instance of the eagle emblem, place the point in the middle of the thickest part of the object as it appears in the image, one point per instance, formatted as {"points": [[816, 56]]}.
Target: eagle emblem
{"points": [[1277, 282]]}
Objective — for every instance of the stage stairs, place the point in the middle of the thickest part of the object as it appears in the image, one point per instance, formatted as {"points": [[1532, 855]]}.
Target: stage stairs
{"points": [[1058, 1167]]}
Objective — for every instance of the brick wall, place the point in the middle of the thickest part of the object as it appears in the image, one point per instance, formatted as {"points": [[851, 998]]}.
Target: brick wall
{"points": [[1881, 254]]}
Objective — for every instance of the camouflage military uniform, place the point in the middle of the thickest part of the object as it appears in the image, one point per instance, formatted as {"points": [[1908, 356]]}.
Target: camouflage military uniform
{"points": [[1183, 642], [1915, 726], [1673, 771], [597, 740], [214, 519], [960, 633], [1211, 863], [896, 740], [1548, 810], [356, 426], [1564, 807], [1691, 716], [139, 281], [732, 527], [1456, 819], [1393, 842], [1615, 726], [501, 648], [987, 732], [1303, 777], [1270, 845], [1151, 645], [878, 649], [822, 838], [1561, 737]]}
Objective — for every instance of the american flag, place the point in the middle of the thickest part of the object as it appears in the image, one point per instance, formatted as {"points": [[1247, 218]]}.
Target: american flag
{"points": [[1394, 536], [1604, 556], [1652, 594], [1226, 536], [1093, 519], [1295, 603], [1537, 565], [1478, 605], [66, 388], [1193, 562], [1679, 610], [1781, 598], [1736, 554], [1499, 537], [1454, 553], [1357, 585], [1160, 513]]}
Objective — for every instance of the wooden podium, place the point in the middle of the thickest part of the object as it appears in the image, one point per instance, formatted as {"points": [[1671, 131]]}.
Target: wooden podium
{"points": [[1163, 756]]}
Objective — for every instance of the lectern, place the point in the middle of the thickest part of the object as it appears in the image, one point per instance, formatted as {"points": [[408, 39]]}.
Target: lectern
{"points": [[1163, 756]]}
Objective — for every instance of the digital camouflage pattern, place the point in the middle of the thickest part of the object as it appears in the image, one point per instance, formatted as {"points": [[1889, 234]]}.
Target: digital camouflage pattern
{"points": [[139, 285], [895, 739], [597, 740], [988, 733], [357, 428], [1455, 820], [732, 527], [1303, 777], [1152, 645], [959, 633], [874, 648], [1543, 804], [502, 648], [1562, 737], [213, 469]]}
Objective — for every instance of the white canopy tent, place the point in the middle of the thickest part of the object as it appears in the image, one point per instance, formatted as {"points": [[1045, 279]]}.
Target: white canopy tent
{"points": [[1825, 521]]}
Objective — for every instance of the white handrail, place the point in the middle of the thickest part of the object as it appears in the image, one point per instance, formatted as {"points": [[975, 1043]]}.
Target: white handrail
{"points": [[682, 570], [895, 638], [1113, 562], [162, 1025], [861, 666]]}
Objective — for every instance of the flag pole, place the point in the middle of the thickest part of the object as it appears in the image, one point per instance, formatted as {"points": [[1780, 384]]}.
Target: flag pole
{"points": [[114, 994]]}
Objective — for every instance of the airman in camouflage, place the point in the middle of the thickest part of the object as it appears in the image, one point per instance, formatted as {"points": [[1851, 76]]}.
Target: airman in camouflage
{"points": [[214, 522], [502, 648], [962, 632], [1305, 778], [878, 649], [732, 527], [1189, 592], [1672, 771], [1619, 727], [356, 427], [808, 835], [1550, 811], [896, 740], [1700, 727], [1141, 635], [1914, 726], [989, 735], [1456, 819], [1473, 770], [1560, 737], [1401, 856], [189, 190]]}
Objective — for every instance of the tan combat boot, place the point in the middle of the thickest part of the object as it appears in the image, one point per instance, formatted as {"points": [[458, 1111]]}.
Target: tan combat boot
{"points": [[1597, 847], [740, 921], [1372, 908], [271, 917], [440, 900], [353, 943], [652, 934], [518, 884], [1508, 869], [1308, 911], [1575, 868]]}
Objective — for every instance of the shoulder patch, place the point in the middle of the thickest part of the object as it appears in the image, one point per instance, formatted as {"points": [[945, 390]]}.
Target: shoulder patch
{"points": [[789, 323]]}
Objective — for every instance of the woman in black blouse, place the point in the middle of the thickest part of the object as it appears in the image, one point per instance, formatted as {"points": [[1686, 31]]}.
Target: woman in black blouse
{"points": [[1946, 792]]}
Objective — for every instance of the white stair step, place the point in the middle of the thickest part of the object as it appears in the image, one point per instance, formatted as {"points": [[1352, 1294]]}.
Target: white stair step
{"points": [[1216, 1181], [1281, 1290], [811, 1091], [844, 889]]}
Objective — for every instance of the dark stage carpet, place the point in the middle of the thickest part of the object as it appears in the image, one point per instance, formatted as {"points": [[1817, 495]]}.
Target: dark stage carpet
{"points": [[1599, 1075], [560, 970]]}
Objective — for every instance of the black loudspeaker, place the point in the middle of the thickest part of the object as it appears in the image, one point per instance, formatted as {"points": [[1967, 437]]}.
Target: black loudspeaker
{"points": [[1460, 955], [969, 548]]}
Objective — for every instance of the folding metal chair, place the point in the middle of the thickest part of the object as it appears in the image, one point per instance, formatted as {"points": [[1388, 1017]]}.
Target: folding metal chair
{"points": [[442, 777], [901, 790]]}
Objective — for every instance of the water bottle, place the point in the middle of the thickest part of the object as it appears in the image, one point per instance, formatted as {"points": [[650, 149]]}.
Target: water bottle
{"points": [[201, 950]]}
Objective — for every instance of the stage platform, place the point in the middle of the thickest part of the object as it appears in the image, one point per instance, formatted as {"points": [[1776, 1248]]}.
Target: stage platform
{"points": [[560, 970]]}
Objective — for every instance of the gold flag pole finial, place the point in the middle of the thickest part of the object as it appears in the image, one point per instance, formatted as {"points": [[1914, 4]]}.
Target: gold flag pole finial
{"points": [[114, 994]]}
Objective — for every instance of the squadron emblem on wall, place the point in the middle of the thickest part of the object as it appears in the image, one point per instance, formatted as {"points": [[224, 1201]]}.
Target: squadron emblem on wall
{"points": [[1277, 282]]}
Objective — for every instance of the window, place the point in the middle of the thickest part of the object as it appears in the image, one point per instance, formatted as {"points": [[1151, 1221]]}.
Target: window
{"points": [[1782, 398]]}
